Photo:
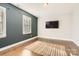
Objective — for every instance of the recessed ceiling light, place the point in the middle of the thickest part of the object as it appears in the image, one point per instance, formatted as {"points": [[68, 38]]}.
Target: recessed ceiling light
{"points": [[45, 4]]}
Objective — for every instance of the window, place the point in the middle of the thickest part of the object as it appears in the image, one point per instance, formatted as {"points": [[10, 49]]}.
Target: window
{"points": [[2, 22], [26, 24]]}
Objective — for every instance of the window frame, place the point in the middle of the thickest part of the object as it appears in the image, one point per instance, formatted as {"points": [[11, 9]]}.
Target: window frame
{"points": [[27, 22], [3, 33]]}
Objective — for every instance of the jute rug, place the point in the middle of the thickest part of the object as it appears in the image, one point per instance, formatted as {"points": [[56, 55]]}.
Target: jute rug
{"points": [[47, 49]]}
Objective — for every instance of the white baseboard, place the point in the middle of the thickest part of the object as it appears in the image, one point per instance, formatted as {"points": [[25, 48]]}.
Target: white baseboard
{"points": [[76, 43], [7, 47], [56, 38]]}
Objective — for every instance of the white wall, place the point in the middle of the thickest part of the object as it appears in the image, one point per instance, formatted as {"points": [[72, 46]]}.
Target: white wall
{"points": [[68, 26], [65, 27], [75, 31]]}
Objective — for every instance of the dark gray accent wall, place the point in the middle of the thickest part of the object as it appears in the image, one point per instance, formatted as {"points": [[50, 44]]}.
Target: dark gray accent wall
{"points": [[14, 25]]}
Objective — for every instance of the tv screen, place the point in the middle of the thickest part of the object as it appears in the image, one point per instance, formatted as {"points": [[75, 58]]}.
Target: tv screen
{"points": [[52, 24]]}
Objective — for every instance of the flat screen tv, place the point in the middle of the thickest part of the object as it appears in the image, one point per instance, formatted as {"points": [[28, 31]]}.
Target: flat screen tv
{"points": [[52, 24]]}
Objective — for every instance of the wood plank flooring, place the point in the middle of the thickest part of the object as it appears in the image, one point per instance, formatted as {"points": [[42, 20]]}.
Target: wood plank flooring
{"points": [[42, 48]]}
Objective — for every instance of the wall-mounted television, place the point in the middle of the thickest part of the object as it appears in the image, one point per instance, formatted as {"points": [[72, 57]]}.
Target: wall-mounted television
{"points": [[52, 24]]}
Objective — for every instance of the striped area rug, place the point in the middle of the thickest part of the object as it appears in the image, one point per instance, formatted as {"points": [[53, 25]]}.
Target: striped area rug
{"points": [[47, 49]]}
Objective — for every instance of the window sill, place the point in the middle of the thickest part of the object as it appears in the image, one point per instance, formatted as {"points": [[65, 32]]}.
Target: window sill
{"points": [[2, 36]]}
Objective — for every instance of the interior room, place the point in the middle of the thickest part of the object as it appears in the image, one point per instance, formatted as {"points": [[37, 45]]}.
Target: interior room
{"points": [[39, 29]]}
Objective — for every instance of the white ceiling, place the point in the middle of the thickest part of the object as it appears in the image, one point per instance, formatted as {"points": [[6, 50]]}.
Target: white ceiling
{"points": [[39, 10]]}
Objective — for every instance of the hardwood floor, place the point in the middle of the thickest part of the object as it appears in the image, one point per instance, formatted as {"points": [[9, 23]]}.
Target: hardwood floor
{"points": [[21, 51], [42, 48], [38, 48]]}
